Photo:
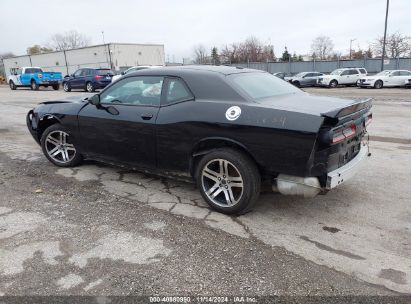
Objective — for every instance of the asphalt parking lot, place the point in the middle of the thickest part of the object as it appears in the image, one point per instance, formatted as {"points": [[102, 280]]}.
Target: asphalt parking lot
{"points": [[102, 230]]}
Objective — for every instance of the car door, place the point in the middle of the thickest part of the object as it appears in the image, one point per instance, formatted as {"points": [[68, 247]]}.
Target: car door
{"points": [[344, 77], [354, 76], [121, 128], [175, 140], [404, 75], [310, 79], [75, 80], [392, 79]]}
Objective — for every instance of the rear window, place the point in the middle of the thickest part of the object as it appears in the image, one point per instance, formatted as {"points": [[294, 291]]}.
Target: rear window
{"points": [[262, 85], [104, 72], [33, 70], [363, 71]]}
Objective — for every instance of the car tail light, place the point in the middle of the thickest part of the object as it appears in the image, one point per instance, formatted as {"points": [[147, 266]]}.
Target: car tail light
{"points": [[343, 133], [40, 75], [368, 120], [98, 77]]}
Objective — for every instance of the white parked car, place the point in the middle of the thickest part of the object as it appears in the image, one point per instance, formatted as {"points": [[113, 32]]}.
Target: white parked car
{"points": [[386, 78], [134, 69], [344, 76]]}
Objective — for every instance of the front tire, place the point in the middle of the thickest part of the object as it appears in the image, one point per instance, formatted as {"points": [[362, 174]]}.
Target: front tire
{"points": [[34, 86], [333, 84], [59, 147], [12, 85], [297, 84], [229, 181], [90, 87], [378, 84], [66, 87]]}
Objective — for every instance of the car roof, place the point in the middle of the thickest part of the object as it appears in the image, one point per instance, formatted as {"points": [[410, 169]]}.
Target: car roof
{"points": [[187, 69]]}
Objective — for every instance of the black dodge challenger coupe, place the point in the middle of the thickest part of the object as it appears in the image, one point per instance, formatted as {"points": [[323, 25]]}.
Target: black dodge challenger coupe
{"points": [[226, 128]]}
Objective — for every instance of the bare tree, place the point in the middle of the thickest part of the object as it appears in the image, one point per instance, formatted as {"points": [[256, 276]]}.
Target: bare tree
{"points": [[200, 54], [322, 47], [251, 49], [397, 45], [68, 40]]}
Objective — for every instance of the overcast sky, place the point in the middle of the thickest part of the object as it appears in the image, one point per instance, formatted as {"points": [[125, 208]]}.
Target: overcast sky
{"points": [[181, 24]]}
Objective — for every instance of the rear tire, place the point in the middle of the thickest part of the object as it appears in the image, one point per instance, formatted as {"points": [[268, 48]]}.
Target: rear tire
{"points": [[229, 181], [66, 87], [56, 87], [333, 83], [12, 85], [59, 146], [378, 84], [33, 85], [90, 87]]}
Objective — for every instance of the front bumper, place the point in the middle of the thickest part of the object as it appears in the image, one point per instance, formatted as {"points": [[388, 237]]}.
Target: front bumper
{"points": [[346, 172]]}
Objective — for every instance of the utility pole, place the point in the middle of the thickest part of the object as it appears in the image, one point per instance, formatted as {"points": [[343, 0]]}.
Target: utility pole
{"points": [[351, 40], [385, 36]]}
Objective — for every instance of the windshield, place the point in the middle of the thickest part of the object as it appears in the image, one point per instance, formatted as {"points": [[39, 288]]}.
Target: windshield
{"points": [[383, 73], [262, 85], [336, 72]]}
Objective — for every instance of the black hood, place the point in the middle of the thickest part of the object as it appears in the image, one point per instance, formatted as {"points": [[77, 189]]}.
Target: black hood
{"points": [[71, 99]]}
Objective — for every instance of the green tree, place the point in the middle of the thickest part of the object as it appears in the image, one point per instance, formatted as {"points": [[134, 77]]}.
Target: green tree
{"points": [[294, 58], [300, 58], [37, 49], [286, 55], [215, 56]]}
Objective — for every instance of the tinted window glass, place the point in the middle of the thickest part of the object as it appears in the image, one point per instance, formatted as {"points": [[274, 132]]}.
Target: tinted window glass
{"points": [[89, 72], [347, 72], [143, 90], [397, 73], [104, 72], [262, 85], [362, 71], [405, 73], [177, 91], [354, 72], [78, 73], [309, 75]]}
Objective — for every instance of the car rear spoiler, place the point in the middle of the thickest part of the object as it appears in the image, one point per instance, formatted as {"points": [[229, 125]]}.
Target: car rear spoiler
{"points": [[352, 108]]}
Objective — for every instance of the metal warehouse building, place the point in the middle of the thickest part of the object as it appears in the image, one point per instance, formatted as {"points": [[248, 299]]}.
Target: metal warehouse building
{"points": [[117, 56]]}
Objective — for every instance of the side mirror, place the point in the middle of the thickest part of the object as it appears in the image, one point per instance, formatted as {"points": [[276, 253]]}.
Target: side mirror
{"points": [[123, 73], [72, 75], [94, 100]]}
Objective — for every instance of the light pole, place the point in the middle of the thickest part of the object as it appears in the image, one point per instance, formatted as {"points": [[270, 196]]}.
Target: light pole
{"points": [[351, 40], [385, 36]]}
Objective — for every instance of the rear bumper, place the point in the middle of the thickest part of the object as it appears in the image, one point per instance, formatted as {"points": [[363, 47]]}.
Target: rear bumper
{"points": [[310, 186], [346, 172], [100, 85], [50, 82]]}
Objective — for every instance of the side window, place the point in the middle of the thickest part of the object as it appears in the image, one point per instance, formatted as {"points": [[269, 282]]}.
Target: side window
{"points": [[344, 73], [362, 71], [140, 90], [88, 72], [176, 91], [354, 72], [78, 73], [405, 73], [396, 73], [28, 71], [308, 75]]}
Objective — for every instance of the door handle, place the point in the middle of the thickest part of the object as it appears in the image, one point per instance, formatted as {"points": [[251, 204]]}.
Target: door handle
{"points": [[146, 116]]}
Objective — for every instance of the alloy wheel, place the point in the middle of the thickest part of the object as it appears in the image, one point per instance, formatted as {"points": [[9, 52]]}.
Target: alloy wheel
{"points": [[222, 182], [90, 87], [58, 147]]}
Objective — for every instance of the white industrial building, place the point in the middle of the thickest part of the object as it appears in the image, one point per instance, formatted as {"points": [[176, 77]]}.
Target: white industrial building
{"points": [[117, 56]]}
